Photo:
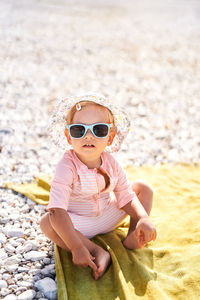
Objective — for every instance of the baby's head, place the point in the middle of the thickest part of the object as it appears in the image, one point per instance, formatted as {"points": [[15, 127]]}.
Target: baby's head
{"points": [[89, 141], [88, 109]]}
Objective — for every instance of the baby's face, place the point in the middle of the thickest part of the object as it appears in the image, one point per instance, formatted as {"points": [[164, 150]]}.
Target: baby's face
{"points": [[89, 148]]}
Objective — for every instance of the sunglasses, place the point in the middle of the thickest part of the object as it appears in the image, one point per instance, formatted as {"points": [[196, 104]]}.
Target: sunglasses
{"points": [[99, 130]]}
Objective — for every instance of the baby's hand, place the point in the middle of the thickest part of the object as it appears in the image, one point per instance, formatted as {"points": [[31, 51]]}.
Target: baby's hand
{"points": [[145, 231], [82, 257]]}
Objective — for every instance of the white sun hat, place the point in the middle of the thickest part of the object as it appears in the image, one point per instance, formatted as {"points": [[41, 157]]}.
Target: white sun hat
{"points": [[58, 119]]}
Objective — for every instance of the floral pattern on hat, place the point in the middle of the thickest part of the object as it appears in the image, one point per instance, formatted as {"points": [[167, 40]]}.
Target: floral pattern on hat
{"points": [[57, 124]]}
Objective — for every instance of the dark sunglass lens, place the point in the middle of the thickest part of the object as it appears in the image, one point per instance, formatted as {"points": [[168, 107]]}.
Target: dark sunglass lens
{"points": [[77, 131], [100, 130]]}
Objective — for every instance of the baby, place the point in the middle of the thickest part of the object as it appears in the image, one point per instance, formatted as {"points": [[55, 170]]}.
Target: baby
{"points": [[81, 204]]}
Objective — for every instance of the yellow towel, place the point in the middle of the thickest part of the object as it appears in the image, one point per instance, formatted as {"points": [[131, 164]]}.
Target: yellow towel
{"points": [[168, 268]]}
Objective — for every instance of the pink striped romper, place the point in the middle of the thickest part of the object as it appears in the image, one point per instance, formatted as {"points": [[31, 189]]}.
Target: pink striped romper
{"points": [[82, 192]]}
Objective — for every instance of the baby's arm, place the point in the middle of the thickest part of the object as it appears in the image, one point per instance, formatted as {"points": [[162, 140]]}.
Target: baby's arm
{"points": [[62, 224]]}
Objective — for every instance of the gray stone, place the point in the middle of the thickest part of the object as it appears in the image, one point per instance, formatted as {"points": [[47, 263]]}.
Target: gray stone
{"points": [[48, 287], [46, 261], [50, 269]]}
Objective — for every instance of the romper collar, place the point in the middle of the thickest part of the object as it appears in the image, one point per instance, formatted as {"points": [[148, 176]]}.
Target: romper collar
{"points": [[80, 165]]}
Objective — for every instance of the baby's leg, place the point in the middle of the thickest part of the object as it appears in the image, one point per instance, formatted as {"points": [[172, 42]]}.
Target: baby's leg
{"points": [[145, 195], [102, 257]]}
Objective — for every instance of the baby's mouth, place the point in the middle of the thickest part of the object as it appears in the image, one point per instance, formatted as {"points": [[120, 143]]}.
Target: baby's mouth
{"points": [[88, 146]]}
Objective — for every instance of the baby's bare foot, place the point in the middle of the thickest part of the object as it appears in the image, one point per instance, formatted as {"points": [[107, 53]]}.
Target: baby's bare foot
{"points": [[131, 241], [102, 260]]}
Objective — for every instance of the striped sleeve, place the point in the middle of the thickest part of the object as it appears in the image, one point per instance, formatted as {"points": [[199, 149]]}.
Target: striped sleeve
{"points": [[61, 186]]}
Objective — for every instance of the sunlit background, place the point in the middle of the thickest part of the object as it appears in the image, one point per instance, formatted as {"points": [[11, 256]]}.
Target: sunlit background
{"points": [[142, 54]]}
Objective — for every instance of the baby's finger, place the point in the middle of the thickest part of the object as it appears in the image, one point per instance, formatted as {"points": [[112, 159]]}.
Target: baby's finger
{"points": [[92, 266]]}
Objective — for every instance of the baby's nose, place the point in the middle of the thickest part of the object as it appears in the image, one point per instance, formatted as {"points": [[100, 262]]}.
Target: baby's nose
{"points": [[88, 133]]}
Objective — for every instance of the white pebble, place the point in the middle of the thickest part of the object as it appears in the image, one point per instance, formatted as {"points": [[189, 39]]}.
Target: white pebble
{"points": [[12, 268], [3, 238], [12, 231], [34, 244], [9, 248], [23, 269], [28, 247], [10, 297], [26, 225], [38, 265], [28, 295], [34, 255], [12, 287], [20, 289], [41, 238], [27, 232], [20, 249], [26, 276], [26, 284], [35, 271], [14, 217], [20, 240], [3, 284], [25, 208], [18, 276], [3, 254], [6, 276], [30, 202], [4, 291], [14, 243], [14, 259]]}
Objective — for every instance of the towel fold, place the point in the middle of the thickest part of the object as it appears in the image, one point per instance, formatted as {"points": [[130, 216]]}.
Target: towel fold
{"points": [[168, 268]]}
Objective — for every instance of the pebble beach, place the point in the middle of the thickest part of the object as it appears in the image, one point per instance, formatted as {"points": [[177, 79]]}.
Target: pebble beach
{"points": [[144, 56]]}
